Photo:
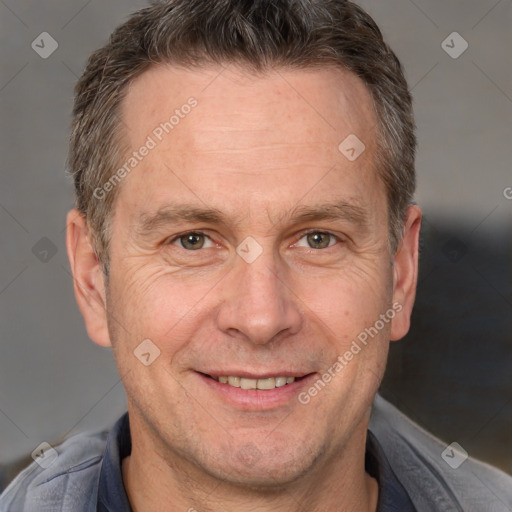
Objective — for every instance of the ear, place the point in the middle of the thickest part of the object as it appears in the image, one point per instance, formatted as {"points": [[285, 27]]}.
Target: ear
{"points": [[88, 278], [405, 273]]}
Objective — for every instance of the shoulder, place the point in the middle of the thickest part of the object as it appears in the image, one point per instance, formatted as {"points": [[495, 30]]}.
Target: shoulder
{"points": [[68, 483], [436, 476]]}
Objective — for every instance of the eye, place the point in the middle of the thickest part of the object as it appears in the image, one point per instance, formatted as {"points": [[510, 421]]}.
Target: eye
{"points": [[317, 240], [193, 241]]}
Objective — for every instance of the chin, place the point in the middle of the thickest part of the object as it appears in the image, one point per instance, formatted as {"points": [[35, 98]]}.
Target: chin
{"points": [[264, 466], [261, 476]]}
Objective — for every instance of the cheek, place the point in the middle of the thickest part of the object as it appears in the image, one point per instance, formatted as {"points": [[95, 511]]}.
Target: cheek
{"points": [[350, 298], [155, 302], [353, 310]]}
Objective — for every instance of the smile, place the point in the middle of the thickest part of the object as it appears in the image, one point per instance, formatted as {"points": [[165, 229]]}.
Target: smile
{"points": [[259, 384], [253, 391]]}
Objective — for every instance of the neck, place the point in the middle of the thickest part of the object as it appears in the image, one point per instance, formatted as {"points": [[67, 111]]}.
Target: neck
{"points": [[338, 484]]}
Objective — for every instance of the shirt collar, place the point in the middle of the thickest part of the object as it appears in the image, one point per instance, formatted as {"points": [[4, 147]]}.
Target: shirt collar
{"points": [[111, 492], [392, 494]]}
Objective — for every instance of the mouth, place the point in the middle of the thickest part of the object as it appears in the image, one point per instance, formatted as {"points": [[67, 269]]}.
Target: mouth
{"points": [[256, 392], [255, 383]]}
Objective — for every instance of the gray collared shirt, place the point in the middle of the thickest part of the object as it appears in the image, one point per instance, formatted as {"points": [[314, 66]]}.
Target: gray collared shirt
{"points": [[405, 460]]}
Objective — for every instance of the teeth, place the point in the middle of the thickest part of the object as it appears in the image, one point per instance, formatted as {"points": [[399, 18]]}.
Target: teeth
{"points": [[280, 382], [248, 383], [269, 383], [263, 384], [234, 381]]}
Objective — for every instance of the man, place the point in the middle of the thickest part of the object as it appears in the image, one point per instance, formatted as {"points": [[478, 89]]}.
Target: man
{"points": [[246, 241]]}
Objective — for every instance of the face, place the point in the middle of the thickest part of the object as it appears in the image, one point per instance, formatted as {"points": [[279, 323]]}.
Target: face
{"points": [[247, 248]]}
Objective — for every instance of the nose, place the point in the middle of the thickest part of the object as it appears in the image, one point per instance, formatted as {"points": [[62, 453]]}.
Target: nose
{"points": [[257, 303]]}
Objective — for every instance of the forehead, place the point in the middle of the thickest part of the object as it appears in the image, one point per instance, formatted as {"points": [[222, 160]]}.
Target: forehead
{"points": [[250, 141], [331, 99]]}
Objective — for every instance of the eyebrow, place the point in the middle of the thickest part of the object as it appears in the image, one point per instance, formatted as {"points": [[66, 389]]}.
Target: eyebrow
{"points": [[173, 214], [340, 210], [176, 213]]}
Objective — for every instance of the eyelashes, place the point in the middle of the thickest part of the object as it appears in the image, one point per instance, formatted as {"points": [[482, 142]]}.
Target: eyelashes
{"points": [[192, 241]]}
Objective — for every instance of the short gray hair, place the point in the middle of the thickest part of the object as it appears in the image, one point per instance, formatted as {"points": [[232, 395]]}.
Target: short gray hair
{"points": [[261, 35]]}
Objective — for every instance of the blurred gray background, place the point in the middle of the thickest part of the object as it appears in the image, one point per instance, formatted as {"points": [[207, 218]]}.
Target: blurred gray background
{"points": [[453, 372]]}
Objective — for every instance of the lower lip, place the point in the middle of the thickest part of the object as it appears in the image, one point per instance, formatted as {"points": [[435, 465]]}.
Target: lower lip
{"points": [[257, 400]]}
